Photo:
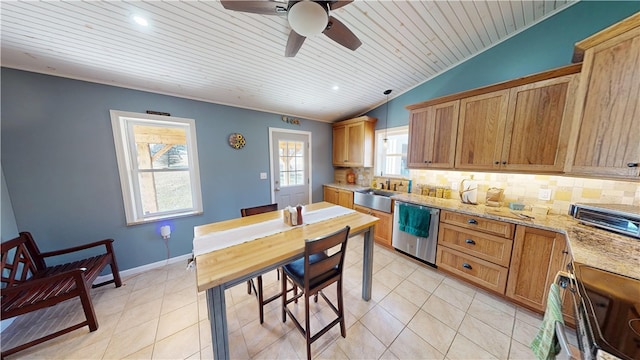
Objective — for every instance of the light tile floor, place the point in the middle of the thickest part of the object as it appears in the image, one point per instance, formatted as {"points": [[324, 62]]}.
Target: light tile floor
{"points": [[416, 312]]}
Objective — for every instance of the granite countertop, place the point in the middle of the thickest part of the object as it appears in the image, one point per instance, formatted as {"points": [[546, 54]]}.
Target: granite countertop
{"points": [[350, 187], [588, 245]]}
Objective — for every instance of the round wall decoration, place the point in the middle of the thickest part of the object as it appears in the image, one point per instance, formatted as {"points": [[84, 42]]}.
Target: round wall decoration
{"points": [[237, 141]]}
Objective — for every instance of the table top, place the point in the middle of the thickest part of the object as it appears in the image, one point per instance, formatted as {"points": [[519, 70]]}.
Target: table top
{"points": [[227, 264]]}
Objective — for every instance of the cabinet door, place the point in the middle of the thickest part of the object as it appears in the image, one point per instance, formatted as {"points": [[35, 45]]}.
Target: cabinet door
{"points": [[608, 141], [383, 229], [432, 136], [331, 195], [538, 125], [345, 198], [481, 130], [419, 127], [340, 155], [536, 258], [355, 144]]}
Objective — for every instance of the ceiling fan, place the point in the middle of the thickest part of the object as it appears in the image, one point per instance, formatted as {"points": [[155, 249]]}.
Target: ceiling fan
{"points": [[306, 18]]}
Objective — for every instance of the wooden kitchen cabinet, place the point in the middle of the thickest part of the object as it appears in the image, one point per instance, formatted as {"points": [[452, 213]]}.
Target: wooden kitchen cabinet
{"points": [[432, 136], [607, 116], [536, 258], [538, 125], [475, 249], [353, 142], [525, 128], [481, 130], [338, 196], [383, 230]]}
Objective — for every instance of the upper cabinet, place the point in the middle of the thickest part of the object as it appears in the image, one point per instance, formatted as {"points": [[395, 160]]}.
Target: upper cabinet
{"points": [[432, 136], [481, 130], [538, 125], [607, 115], [353, 142], [525, 128]]}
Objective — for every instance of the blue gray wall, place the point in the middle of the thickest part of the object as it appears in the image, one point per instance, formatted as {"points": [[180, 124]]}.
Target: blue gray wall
{"points": [[545, 46], [60, 166], [61, 172]]}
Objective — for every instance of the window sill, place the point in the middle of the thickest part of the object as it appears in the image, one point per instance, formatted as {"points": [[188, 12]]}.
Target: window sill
{"points": [[165, 217]]}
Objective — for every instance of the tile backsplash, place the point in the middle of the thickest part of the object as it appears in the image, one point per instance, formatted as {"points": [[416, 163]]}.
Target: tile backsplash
{"points": [[525, 188]]}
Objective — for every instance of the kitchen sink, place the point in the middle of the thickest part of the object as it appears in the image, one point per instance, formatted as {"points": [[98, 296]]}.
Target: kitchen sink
{"points": [[374, 199]]}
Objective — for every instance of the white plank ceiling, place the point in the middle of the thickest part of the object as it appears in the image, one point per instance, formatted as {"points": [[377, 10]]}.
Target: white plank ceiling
{"points": [[199, 50]]}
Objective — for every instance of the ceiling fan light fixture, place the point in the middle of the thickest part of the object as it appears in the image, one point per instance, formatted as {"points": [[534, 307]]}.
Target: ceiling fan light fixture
{"points": [[308, 18]]}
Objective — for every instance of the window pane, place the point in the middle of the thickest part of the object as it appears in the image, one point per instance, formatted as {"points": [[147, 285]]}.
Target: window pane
{"points": [[165, 191], [291, 163], [159, 147]]}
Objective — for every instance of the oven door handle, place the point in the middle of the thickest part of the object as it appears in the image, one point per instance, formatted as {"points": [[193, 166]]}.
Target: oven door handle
{"points": [[565, 351]]}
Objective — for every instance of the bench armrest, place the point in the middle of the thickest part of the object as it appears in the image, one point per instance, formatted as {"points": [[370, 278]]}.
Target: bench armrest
{"points": [[106, 242], [76, 274]]}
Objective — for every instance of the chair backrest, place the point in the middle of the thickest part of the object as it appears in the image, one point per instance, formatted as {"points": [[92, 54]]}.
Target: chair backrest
{"points": [[329, 267], [20, 260], [258, 209]]}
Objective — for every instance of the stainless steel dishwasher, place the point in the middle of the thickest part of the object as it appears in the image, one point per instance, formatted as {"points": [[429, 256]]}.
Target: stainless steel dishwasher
{"points": [[422, 248]]}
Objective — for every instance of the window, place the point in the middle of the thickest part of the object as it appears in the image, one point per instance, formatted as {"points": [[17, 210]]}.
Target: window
{"points": [[158, 165], [291, 155], [391, 160]]}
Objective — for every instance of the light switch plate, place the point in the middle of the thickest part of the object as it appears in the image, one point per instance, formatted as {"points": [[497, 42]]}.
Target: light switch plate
{"points": [[544, 194], [263, 175]]}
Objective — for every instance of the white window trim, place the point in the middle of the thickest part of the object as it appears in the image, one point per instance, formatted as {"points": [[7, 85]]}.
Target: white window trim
{"points": [[120, 122], [378, 144]]}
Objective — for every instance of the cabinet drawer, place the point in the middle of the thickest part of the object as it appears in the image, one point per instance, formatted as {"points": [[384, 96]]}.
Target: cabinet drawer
{"points": [[484, 246], [483, 273], [493, 227]]}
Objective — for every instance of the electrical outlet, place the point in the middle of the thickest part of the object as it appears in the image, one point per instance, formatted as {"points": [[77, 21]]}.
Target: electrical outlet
{"points": [[263, 175], [544, 194], [455, 185]]}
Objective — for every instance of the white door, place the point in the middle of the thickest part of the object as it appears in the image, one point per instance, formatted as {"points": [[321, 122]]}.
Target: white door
{"points": [[290, 152]]}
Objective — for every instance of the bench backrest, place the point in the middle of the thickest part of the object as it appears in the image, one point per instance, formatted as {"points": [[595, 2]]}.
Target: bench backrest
{"points": [[20, 260]]}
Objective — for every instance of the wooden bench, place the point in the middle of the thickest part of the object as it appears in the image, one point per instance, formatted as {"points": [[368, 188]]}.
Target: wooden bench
{"points": [[28, 284]]}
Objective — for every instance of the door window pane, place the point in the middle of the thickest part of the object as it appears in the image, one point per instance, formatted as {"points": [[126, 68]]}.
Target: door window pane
{"points": [[292, 170]]}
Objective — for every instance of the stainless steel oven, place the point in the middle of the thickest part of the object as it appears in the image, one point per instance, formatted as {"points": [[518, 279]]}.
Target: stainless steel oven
{"points": [[607, 311]]}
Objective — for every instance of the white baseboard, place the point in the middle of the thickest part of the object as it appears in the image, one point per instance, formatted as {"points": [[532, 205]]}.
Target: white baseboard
{"points": [[143, 268]]}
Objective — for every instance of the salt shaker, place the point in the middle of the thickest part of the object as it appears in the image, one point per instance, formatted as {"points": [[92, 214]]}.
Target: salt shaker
{"points": [[299, 208]]}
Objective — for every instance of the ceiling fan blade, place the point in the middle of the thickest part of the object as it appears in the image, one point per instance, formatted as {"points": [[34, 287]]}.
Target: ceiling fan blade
{"points": [[338, 4], [293, 44], [265, 7], [340, 33]]}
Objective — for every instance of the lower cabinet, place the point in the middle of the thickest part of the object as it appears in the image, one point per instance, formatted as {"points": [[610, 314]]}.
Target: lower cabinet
{"points": [[537, 257], [338, 196], [475, 249], [384, 228]]}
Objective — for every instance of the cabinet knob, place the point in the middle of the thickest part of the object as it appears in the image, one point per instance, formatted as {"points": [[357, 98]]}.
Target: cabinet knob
{"points": [[565, 252], [504, 163], [472, 221], [632, 164], [466, 266], [470, 241], [496, 162]]}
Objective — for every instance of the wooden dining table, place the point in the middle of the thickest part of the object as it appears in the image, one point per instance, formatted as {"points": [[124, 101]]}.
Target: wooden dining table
{"points": [[223, 268]]}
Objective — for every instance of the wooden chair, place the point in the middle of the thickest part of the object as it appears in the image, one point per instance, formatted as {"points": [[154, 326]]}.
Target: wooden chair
{"points": [[28, 284], [314, 272], [250, 283]]}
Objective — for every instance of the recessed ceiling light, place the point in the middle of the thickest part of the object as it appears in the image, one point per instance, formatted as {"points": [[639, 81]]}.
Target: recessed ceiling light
{"points": [[335, 88], [140, 20]]}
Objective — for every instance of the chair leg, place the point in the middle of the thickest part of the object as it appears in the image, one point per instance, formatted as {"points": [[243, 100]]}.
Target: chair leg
{"points": [[87, 306], [343, 330], [307, 326], [249, 287]]}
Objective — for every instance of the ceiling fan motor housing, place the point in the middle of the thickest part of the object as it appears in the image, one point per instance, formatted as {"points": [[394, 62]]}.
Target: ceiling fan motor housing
{"points": [[307, 17]]}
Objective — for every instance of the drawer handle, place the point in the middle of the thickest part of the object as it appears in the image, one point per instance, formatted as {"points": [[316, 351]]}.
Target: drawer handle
{"points": [[632, 164], [469, 241], [466, 266], [472, 221]]}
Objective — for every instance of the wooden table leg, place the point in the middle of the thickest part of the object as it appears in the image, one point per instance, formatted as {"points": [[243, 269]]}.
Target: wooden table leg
{"points": [[367, 264], [218, 319]]}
